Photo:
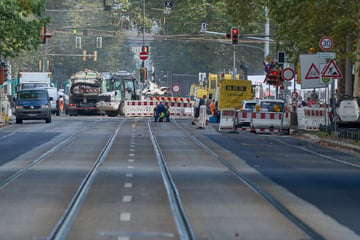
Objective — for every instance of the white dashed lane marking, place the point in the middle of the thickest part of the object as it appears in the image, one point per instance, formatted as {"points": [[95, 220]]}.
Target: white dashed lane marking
{"points": [[128, 185], [127, 198], [125, 217]]}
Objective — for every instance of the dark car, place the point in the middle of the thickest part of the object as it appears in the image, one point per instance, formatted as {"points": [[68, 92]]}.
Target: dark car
{"points": [[33, 104]]}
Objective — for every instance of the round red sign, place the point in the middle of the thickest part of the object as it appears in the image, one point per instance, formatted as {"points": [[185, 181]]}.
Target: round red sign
{"points": [[143, 55], [326, 43]]}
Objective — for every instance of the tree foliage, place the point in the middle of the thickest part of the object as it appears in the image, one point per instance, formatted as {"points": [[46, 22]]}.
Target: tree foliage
{"points": [[20, 25], [299, 25], [182, 48]]}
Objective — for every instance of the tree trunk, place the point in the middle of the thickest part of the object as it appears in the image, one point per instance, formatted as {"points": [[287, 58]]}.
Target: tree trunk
{"points": [[356, 92]]}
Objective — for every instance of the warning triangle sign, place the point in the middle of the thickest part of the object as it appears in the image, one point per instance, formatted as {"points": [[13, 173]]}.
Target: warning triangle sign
{"points": [[312, 73], [331, 70]]}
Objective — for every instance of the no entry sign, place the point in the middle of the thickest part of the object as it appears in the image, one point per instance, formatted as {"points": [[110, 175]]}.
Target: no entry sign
{"points": [[143, 55]]}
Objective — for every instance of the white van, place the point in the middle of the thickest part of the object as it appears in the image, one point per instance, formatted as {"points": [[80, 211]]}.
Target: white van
{"points": [[53, 92], [348, 113]]}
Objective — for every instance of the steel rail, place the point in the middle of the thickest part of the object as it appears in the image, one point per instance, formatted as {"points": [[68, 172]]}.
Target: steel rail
{"points": [[62, 227], [24, 169], [308, 230], [182, 222]]}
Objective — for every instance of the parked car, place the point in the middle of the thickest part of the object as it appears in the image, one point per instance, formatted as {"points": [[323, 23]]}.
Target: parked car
{"points": [[33, 104]]}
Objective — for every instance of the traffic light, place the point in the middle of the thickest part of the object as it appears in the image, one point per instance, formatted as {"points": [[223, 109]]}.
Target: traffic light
{"points": [[7, 72], [84, 55], [2, 74], [274, 77], [78, 42], [281, 57], [145, 49], [143, 74], [99, 42], [95, 56], [234, 36], [43, 35]]}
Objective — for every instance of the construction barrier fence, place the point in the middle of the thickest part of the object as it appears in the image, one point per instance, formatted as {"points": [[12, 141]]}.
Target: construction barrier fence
{"points": [[310, 119], [228, 120], [270, 122], [178, 107]]}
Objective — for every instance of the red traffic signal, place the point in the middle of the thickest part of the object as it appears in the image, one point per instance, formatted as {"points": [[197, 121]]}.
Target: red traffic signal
{"points": [[234, 36], [274, 77]]}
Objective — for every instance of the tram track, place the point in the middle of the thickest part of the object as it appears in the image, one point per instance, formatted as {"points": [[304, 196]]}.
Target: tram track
{"points": [[172, 191], [154, 149], [13, 176], [62, 227]]}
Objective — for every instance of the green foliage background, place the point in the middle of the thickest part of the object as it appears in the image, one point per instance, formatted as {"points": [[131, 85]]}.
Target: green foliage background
{"points": [[178, 46]]}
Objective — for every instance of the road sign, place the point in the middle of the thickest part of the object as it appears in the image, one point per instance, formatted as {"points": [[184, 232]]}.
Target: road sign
{"points": [[176, 88], [327, 55], [309, 71], [313, 72], [326, 43], [287, 74], [143, 55], [267, 69], [331, 70]]}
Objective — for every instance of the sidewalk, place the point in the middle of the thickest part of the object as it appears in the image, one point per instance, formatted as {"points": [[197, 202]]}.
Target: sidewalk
{"points": [[331, 141]]}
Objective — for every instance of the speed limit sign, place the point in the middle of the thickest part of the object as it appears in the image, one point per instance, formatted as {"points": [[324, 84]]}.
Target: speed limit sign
{"points": [[326, 43]]}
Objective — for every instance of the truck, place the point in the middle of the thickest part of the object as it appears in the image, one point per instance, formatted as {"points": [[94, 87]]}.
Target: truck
{"points": [[34, 80], [121, 86], [84, 88]]}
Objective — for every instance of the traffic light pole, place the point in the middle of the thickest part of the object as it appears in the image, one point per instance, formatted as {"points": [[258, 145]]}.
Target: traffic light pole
{"points": [[234, 64]]}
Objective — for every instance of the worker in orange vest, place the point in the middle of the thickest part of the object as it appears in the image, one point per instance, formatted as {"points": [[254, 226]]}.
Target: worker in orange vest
{"points": [[212, 107]]}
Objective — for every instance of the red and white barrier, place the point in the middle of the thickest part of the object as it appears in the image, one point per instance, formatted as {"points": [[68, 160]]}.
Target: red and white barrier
{"points": [[228, 120], [310, 119], [244, 119], [270, 122], [145, 108]]}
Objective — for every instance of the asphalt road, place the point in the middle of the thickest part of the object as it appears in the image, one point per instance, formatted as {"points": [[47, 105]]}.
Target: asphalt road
{"points": [[315, 175], [127, 200]]}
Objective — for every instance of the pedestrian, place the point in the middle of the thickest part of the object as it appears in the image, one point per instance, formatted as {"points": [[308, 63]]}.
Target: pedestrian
{"points": [[212, 108], [300, 102], [167, 114], [309, 102], [202, 101], [160, 109]]}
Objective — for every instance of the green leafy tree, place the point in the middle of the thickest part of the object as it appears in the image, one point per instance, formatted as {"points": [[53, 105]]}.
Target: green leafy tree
{"points": [[181, 48], [299, 25], [20, 26]]}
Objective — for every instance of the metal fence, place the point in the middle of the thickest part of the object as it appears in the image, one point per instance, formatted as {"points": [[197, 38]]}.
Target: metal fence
{"points": [[348, 133]]}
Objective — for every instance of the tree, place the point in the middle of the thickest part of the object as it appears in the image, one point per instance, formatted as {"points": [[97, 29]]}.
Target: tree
{"points": [[181, 48], [299, 25], [20, 26]]}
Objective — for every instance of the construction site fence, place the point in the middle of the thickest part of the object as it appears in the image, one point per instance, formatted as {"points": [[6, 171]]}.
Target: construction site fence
{"points": [[178, 107]]}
